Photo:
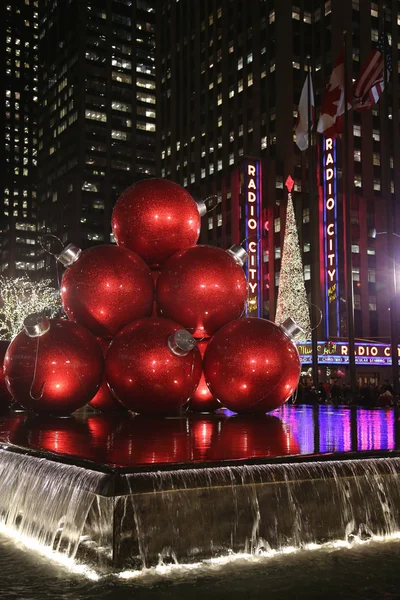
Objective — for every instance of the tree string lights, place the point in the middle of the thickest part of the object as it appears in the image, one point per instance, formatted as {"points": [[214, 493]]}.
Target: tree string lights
{"points": [[292, 296], [20, 297]]}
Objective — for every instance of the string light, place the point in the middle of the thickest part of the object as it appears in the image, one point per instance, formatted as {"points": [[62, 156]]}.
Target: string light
{"points": [[292, 296], [20, 297]]}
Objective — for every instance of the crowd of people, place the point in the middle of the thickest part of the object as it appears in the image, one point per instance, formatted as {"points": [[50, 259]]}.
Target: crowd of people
{"points": [[335, 392]]}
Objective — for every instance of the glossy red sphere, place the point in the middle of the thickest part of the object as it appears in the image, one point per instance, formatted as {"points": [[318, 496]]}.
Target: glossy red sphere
{"points": [[155, 218], [246, 437], [144, 374], [202, 288], [69, 368], [202, 400], [5, 396], [144, 440], [104, 400], [107, 288], [252, 365]]}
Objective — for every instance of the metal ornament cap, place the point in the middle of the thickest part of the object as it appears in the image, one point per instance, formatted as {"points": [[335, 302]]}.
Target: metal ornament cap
{"points": [[36, 325], [291, 328], [69, 255], [181, 342], [201, 207], [239, 254]]}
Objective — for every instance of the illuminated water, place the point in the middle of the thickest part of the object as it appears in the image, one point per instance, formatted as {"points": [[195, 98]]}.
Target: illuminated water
{"points": [[190, 513]]}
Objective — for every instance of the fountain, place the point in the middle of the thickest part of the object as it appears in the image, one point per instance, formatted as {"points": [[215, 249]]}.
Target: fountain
{"points": [[210, 486]]}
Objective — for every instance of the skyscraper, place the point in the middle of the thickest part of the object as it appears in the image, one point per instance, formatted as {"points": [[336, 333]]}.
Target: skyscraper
{"points": [[229, 82], [18, 160], [97, 117]]}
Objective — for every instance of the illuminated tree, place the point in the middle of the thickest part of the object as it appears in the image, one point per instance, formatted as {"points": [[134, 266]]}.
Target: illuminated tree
{"points": [[292, 295], [20, 297]]}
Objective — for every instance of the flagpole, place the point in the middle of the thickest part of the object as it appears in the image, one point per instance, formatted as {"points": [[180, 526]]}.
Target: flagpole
{"points": [[347, 189], [314, 228], [390, 214]]}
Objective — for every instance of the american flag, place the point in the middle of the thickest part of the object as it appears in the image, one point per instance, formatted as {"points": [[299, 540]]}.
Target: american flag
{"points": [[370, 83]]}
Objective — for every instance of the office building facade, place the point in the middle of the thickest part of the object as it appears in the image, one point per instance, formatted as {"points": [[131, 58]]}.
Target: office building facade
{"points": [[229, 82]]}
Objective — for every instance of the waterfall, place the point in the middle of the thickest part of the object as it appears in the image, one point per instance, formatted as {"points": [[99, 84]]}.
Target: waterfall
{"points": [[130, 520]]}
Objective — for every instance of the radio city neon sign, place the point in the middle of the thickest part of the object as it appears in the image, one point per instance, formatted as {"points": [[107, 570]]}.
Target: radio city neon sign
{"points": [[330, 239], [253, 234], [368, 353]]}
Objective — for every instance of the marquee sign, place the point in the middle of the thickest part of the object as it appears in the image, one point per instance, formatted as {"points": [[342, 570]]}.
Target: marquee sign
{"points": [[338, 353], [330, 236], [252, 203]]}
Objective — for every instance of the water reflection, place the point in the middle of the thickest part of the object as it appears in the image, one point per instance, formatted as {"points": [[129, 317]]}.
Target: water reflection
{"points": [[129, 441]]}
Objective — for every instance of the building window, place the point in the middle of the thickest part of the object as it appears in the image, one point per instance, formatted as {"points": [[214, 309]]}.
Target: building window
{"points": [[122, 106], [306, 247], [277, 225], [355, 248], [307, 272], [277, 277], [372, 302], [265, 256], [95, 116], [357, 301], [121, 77], [277, 252], [306, 215], [357, 155], [371, 251], [371, 275], [210, 222], [356, 273], [377, 185]]}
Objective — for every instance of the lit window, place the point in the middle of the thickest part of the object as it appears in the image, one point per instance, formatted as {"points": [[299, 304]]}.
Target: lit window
{"points": [[357, 130], [356, 273], [371, 251], [307, 272], [277, 251], [372, 302], [377, 185], [306, 247], [357, 155], [121, 77], [95, 116], [355, 248], [250, 58], [210, 222], [306, 215], [277, 277], [119, 135], [277, 225], [122, 106]]}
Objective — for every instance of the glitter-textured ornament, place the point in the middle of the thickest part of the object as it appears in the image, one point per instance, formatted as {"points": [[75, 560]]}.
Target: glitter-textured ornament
{"points": [[202, 400], [153, 366], [104, 399], [5, 396], [155, 218], [104, 288], [252, 365], [53, 366], [203, 288]]}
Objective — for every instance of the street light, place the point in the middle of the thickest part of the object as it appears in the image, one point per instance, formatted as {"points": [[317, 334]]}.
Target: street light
{"points": [[393, 312]]}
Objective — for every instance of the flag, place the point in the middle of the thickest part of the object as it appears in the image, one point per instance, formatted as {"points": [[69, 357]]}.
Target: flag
{"points": [[370, 83], [301, 128], [333, 101]]}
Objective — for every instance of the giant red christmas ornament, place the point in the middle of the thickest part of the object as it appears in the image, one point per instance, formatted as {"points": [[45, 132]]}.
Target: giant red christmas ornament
{"points": [[202, 400], [5, 396], [155, 218], [153, 366], [203, 288], [252, 365], [53, 366], [104, 399], [104, 288]]}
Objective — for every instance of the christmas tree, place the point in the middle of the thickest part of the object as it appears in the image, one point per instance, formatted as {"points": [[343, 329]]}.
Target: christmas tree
{"points": [[292, 296]]}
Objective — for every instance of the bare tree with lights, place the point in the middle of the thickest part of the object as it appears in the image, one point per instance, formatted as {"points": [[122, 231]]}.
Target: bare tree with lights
{"points": [[292, 296], [20, 297]]}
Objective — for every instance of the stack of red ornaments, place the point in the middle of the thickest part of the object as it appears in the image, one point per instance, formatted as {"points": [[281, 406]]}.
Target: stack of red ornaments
{"points": [[167, 317]]}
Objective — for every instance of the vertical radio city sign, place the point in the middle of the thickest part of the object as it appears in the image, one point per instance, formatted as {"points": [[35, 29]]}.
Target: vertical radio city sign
{"points": [[330, 236], [253, 225]]}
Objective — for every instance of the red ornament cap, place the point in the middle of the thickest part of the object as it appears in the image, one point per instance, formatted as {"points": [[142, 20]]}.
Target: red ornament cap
{"points": [[289, 183]]}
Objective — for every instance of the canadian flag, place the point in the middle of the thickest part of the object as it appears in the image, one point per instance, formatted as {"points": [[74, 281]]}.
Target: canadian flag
{"points": [[301, 128], [330, 123]]}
